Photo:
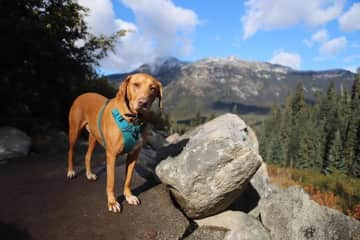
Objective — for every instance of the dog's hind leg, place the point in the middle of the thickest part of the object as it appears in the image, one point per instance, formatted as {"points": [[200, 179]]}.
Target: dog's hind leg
{"points": [[92, 143], [74, 129]]}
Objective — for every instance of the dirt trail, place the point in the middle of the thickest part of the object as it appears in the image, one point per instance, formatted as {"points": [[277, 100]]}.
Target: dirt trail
{"points": [[38, 202]]}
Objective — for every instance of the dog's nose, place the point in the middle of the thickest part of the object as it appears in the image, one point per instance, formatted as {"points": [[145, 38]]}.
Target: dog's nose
{"points": [[142, 103]]}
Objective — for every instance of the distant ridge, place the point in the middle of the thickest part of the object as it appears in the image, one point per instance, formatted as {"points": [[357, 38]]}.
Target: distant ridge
{"points": [[218, 84]]}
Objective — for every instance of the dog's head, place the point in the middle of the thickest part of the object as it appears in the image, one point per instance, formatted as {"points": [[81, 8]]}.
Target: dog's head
{"points": [[139, 91]]}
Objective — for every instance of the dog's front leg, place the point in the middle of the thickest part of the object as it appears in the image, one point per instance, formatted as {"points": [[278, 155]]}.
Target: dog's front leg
{"points": [[130, 165], [113, 205]]}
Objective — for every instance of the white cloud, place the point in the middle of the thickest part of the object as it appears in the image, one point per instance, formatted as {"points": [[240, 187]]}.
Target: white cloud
{"points": [[350, 21], [320, 36], [160, 30], [101, 17], [276, 14], [281, 57], [308, 43], [332, 47], [164, 23]]}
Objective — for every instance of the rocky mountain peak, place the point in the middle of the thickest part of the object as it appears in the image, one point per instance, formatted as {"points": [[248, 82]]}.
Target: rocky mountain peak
{"points": [[220, 84]]}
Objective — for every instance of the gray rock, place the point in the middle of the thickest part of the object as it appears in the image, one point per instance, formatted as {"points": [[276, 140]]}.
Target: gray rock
{"points": [[241, 226], [149, 158], [13, 143], [173, 138], [208, 233], [227, 127], [259, 187], [213, 169], [146, 163], [290, 214], [155, 139]]}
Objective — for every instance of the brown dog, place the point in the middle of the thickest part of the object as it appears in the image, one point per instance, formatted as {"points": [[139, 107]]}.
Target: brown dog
{"points": [[134, 98]]}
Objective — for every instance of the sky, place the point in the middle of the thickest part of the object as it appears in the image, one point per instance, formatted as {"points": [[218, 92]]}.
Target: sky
{"points": [[301, 34]]}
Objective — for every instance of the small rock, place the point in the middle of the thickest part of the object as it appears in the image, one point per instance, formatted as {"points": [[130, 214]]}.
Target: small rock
{"points": [[173, 138], [13, 143]]}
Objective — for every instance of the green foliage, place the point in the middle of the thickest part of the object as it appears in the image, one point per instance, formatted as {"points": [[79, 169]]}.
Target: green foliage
{"points": [[342, 185], [44, 65], [324, 136]]}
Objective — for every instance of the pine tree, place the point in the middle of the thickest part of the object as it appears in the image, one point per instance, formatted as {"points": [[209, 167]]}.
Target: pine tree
{"points": [[268, 132], [355, 166], [352, 127], [277, 154], [298, 101], [335, 153]]}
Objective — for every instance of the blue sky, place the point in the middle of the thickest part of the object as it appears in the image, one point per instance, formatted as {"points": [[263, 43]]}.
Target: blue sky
{"points": [[305, 35]]}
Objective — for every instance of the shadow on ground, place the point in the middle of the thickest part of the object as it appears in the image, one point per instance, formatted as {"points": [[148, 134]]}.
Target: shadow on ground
{"points": [[38, 202]]}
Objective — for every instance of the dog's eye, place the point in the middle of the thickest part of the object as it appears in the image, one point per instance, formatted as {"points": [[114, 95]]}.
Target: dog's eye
{"points": [[136, 85], [152, 88]]}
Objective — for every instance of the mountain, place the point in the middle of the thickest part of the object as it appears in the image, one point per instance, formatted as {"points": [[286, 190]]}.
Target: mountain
{"points": [[232, 84]]}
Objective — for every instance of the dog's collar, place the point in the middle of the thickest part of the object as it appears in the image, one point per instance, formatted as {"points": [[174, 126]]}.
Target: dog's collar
{"points": [[136, 116]]}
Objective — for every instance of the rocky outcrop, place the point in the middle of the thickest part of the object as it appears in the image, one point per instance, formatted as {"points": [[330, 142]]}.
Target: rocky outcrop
{"points": [[213, 169], [290, 214], [13, 143], [241, 226]]}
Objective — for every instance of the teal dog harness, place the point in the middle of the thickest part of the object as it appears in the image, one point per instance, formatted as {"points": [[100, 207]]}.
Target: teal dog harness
{"points": [[131, 133]]}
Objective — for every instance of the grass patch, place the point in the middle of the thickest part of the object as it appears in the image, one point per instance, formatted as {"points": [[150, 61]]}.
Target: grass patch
{"points": [[337, 190]]}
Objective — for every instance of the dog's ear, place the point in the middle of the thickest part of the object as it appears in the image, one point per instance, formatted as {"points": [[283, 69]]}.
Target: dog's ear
{"points": [[121, 94], [160, 95]]}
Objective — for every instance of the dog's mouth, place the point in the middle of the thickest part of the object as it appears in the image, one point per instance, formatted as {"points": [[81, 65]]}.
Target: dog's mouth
{"points": [[142, 107]]}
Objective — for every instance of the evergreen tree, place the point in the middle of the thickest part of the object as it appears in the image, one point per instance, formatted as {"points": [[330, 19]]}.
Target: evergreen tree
{"points": [[355, 166], [298, 101], [350, 143], [277, 154], [335, 153]]}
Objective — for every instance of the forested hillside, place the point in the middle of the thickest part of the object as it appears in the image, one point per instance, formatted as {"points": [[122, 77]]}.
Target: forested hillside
{"points": [[324, 136]]}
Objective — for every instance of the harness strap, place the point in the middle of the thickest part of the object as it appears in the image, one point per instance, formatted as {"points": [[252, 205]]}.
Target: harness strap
{"points": [[99, 122], [131, 132]]}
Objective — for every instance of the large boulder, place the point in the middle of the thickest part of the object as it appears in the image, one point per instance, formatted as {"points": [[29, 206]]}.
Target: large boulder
{"points": [[13, 143], [241, 226], [291, 214], [214, 167]]}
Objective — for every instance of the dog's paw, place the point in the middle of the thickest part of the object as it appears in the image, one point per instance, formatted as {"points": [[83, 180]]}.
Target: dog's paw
{"points": [[114, 207], [91, 176], [132, 200], [71, 174]]}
